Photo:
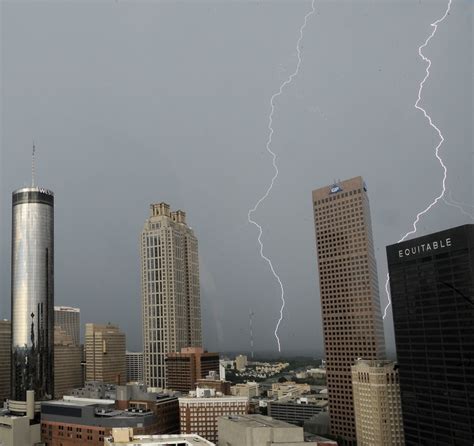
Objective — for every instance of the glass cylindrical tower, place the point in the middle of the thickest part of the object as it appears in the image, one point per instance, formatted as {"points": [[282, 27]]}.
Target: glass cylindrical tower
{"points": [[32, 293]]}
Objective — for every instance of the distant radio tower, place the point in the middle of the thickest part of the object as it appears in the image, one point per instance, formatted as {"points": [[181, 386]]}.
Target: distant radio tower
{"points": [[33, 165], [251, 331]]}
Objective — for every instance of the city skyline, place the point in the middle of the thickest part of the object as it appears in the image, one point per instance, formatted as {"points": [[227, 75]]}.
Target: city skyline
{"points": [[102, 175]]}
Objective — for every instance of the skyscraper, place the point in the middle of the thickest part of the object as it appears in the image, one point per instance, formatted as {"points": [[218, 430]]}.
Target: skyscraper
{"points": [[432, 290], [69, 319], [68, 373], [5, 358], [377, 406], [134, 366], [105, 354], [352, 320], [171, 309], [32, 293]]}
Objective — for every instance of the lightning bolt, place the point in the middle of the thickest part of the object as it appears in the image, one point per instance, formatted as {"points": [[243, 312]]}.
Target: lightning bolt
{"points": [[441, 140], [450, 202], [287, 82]]}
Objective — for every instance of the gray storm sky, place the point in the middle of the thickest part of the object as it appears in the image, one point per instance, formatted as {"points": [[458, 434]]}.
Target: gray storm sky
{"points": [[135, 102]]}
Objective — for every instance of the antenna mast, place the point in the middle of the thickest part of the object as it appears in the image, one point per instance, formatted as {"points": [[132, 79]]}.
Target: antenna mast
{"points": [[251, 331], [33, 165]]}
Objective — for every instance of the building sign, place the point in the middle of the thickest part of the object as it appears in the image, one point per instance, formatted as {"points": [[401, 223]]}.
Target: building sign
{"points": [[425, 247], [336, 188]]}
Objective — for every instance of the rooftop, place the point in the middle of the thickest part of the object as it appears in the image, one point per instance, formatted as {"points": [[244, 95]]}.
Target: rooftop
{"points": [[256, 421], [69, 309], [162, 440]]}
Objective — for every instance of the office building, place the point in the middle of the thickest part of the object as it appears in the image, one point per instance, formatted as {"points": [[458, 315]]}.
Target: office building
{"points": [[212, 382], [432, 292], [288, 389], [171, 308], [296, 410], [32, 294], [69, 319], [377, 406], [97, 390], [184, 369], [200, 411], [125, 437], [134, 366], [257, 430], [5, 357], [105, 354], [352, 320], [137, 399], [73, 421], [68, 372]]}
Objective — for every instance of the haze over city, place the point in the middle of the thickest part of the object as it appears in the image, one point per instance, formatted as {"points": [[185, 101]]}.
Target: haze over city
{"points": [[133, 103]]}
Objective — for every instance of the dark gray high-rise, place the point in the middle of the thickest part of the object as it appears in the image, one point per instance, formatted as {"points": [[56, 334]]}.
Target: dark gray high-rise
{"points": [[32, 293]]}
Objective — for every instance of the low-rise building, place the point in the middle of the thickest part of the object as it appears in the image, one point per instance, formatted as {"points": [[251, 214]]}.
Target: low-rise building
{"points": [[258, 430], [73, 421], [125, 437], [199, 412], [288, 389], [21, 430], [95, 390], [211, 382], [18, 430], [249, 389], [165, 406], [296, 410]]}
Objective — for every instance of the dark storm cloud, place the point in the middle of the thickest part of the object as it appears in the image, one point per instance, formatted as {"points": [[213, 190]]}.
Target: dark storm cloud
{"points": [[137, 102]]}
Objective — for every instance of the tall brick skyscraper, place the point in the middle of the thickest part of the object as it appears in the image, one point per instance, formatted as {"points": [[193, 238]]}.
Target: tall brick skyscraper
{"points": [[352, 321]]}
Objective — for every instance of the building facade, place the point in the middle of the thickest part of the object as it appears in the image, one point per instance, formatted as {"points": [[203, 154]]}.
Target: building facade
{"points": [[105, 354], [199, 415], [377, 405], [296, 410], [68, 371], [134, 366], [171, 309], [432, 291], [352, 320], [32, 293], [76, 421], [257, 430], [184, 369], [69, 319], [5, 358]]}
